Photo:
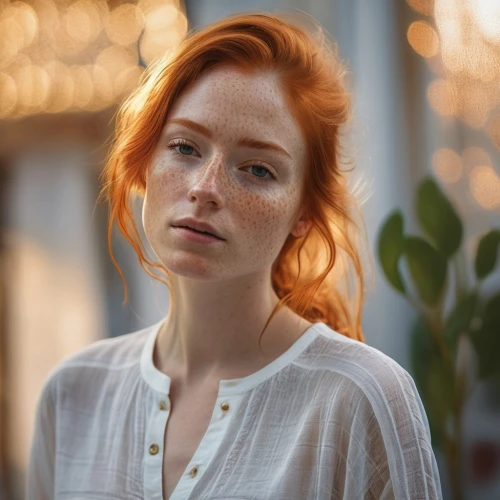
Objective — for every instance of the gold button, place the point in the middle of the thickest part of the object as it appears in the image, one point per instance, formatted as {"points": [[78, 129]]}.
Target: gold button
{"points": [[162, 405], [153, 449], [225, 406], [194, 470]]}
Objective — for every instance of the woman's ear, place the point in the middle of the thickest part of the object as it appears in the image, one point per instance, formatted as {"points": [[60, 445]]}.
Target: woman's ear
{"points": [[300, 227]]}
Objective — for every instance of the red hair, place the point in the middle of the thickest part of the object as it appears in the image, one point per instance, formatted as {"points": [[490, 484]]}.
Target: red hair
{"points": [[319, 275]]}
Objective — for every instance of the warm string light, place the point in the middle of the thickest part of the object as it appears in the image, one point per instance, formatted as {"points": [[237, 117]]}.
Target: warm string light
{"points": [[460, 41], [483, 181], [447, 165], [81, 55], [463, 49]]}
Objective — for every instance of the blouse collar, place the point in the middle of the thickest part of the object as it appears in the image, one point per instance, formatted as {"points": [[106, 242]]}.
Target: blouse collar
{"points": [[160, 382]]}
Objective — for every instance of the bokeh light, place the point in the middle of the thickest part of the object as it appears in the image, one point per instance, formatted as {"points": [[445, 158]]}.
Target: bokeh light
{"points": [[486, 14], [87, 55], [62, 90], [84, 88], [447, 165], [423, 39], [485, 187], [460, 39], [474, 156], [8, 94], [125, 24], [164, 27], [493, 130], [444, 97], [425, 7], [475, 104], [82, 21]]}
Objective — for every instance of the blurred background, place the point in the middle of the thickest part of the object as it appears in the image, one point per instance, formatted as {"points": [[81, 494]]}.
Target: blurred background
{"points": [[425, 76]]}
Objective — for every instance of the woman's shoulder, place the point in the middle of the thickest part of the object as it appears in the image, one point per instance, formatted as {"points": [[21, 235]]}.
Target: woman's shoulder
{"points": [[376, 374], [382, 409], [351, 356], [373, 384], [98, 361]]}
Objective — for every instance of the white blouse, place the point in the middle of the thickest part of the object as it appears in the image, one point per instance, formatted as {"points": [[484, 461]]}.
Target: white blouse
{"points": [[331, 418]]}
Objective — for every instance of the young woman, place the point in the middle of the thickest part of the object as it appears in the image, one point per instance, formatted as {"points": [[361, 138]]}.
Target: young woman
{"points": [[234, 144]]}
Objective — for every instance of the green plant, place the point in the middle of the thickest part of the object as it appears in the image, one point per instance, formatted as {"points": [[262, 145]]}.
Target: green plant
{"points": [[443, 347]]}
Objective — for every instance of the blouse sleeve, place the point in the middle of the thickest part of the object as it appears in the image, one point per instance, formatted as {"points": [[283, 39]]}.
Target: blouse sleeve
{"points": [[41, 466], [391, 456]]}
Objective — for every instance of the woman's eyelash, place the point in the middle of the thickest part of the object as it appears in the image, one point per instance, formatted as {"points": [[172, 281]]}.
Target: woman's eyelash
{"points": [[181, 142]]}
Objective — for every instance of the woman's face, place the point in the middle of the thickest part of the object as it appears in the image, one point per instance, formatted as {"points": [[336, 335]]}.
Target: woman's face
{"points": [[216, 180]]}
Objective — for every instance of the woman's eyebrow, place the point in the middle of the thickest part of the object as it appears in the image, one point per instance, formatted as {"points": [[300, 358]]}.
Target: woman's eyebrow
{"points": [[244, 141]]}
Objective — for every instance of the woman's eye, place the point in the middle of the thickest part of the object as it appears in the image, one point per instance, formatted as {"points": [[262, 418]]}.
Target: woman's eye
{"points": [[263, 170], [183, 145]]}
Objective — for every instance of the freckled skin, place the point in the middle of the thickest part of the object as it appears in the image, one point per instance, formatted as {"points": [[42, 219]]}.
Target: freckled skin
{"points": [[223, 290]]}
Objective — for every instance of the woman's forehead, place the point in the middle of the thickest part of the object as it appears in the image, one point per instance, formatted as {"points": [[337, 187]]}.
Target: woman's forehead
{"points": [[229, 101], [228, 89]]}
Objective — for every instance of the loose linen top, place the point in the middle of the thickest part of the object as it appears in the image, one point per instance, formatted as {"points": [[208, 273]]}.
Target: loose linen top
{"points": [[331, 418]]}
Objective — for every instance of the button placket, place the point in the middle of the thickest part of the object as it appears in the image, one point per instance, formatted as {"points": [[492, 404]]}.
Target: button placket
{"points": [[194, 470], [204, 454], [154, 446]]}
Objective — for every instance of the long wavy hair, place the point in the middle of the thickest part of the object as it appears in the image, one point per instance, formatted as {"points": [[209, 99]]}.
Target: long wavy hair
{"points": [[320, 275]]}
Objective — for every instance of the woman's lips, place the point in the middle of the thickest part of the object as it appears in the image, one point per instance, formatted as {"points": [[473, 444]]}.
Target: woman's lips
{"points": [[196, 236]]}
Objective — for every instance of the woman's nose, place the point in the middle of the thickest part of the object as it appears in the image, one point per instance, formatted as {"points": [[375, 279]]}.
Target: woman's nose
{"points": [[209, 181]]}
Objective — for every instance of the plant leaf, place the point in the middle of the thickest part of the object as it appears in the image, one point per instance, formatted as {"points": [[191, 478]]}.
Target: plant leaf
{"points": [[487, 251], [427, 268], [441, 384], [390, 248], [459, 320], [493, 393], [486, 340], [438, 218], [423, 349], [423, 346], [492, 310]]}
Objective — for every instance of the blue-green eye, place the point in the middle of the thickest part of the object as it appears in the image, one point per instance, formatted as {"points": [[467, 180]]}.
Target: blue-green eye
{"points": [[185, 146], [266, 170], [180, 143]]}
